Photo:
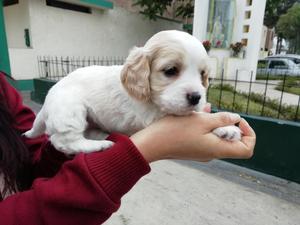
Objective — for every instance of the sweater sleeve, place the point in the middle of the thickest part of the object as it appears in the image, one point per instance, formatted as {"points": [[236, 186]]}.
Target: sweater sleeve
{"points": [[85, 190]]}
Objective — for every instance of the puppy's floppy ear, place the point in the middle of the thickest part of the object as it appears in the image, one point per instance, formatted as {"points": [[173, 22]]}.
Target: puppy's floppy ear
{"points": [[135, 74], [205, 77]]}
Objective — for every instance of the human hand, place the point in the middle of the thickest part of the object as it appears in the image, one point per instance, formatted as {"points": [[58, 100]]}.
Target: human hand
{"points": [[191, 138]]}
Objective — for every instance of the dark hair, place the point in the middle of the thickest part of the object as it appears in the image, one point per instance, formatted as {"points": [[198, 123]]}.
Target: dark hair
{"points": [[14, 156]]}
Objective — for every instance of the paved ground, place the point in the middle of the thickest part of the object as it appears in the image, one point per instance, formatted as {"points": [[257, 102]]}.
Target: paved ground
{"points": [[33, 105], [215, 193], [218, 193]]}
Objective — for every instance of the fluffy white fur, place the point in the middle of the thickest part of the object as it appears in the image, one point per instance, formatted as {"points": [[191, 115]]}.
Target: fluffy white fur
{"points": [[155, 80]]}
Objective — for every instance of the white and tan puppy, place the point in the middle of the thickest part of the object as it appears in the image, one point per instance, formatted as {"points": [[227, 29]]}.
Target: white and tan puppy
{"points": [[169, 75]]}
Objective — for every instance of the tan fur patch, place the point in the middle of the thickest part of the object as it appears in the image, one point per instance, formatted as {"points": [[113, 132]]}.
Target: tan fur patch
{"points": [[135, 75], [204, 78], [164, 55]]}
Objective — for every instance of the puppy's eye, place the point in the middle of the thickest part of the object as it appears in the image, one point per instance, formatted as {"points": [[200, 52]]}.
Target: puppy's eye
{"points": [[202, 72], [170, 72]]}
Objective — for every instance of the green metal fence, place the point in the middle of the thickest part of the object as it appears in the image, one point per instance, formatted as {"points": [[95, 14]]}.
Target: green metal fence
{"points": [[41, 88], [277, 151]]}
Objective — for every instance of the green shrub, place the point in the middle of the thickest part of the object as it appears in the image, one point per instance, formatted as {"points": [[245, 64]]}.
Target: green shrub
{"points": [[258, 104], [290, 85], [225, 87]]}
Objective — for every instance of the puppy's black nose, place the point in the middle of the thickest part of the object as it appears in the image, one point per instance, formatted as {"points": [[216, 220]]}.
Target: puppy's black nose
{"points": [[193, 98]]}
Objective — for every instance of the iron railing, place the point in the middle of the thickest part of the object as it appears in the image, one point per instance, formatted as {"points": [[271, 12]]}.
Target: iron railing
{"points": [[55, 68], [269, 95]]}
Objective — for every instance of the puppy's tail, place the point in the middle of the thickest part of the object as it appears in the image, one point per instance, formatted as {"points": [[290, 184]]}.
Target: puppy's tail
{"points": [[38, 127]]}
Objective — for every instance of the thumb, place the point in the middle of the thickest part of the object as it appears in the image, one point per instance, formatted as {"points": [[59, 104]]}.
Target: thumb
{"points": [[222, 119]]}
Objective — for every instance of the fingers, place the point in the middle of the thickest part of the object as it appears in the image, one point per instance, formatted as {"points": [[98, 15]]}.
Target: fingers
{"points": [[246, 129], [221, 119], [249, 138], [235, 150], [238, 149]]}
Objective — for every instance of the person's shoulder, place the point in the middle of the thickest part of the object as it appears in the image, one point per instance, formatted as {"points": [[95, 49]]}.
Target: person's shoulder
{"points": [[8, 92], [3, 79]]}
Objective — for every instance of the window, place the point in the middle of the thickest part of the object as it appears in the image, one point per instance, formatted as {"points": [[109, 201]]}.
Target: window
{"points": [[246, 28], [295, 60], [276, 64], [249, 2], [69, 6], [245, 41], [10, 2], [27, 37], [220, 22], [247, 14]]}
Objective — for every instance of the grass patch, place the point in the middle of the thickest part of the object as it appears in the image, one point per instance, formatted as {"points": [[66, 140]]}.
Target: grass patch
{"points": [[290, 85], [275, 77], [256, 105]]}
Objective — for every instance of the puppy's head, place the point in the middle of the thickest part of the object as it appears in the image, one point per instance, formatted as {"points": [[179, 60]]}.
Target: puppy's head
{"points": [[170, 71]]}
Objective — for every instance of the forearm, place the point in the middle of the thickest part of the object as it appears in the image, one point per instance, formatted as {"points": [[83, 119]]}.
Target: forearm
{"points": [[191, 138], [86, 189]]}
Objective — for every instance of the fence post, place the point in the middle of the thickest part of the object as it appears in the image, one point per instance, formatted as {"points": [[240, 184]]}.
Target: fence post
{"points": [[282, 90], [235, 85], [265, 95], [46, 67], [56, 65], [68, 64], [248, 100], [39, 65], [208, 89], [221, 88], [297, 110], [62, 65]]}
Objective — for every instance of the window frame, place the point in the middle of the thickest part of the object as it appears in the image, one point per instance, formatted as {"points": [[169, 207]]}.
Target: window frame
{"points": [[69, 6]]}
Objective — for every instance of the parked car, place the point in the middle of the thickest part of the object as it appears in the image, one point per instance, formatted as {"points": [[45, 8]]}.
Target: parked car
{"points": [[295, 58], [278, 66]]}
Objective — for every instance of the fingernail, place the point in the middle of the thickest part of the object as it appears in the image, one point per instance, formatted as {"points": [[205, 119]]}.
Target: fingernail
{"points": [[234, 116]]}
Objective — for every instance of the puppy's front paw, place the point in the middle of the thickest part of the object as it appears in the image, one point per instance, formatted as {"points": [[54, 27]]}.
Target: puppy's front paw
{"points": [[82, 145], [92, 146], [28, 134], [229, 133], [106, 144]]}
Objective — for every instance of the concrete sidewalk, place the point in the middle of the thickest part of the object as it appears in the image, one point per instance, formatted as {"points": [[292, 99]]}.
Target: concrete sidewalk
{"points": [[215, 193]]}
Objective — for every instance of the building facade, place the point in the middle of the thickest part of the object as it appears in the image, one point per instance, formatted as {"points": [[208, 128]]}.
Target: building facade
{"points": [[75, 28], [225, 22], [4, 58]]}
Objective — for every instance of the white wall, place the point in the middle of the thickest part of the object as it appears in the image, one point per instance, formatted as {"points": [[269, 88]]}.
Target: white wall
{"points": [[58, 32], [254, 35], [230, 65], [201, 10], [16, 20]]}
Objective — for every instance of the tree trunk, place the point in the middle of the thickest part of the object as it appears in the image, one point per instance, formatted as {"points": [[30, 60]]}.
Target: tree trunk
{"points": [[278, 45], [297, 44]]}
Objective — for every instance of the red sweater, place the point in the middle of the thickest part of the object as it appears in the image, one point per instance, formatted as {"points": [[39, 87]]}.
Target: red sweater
{"points": [[85, 190]]}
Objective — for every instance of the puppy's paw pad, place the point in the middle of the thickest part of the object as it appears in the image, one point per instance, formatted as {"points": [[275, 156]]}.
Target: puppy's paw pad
{"points": [[229, 133]]}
